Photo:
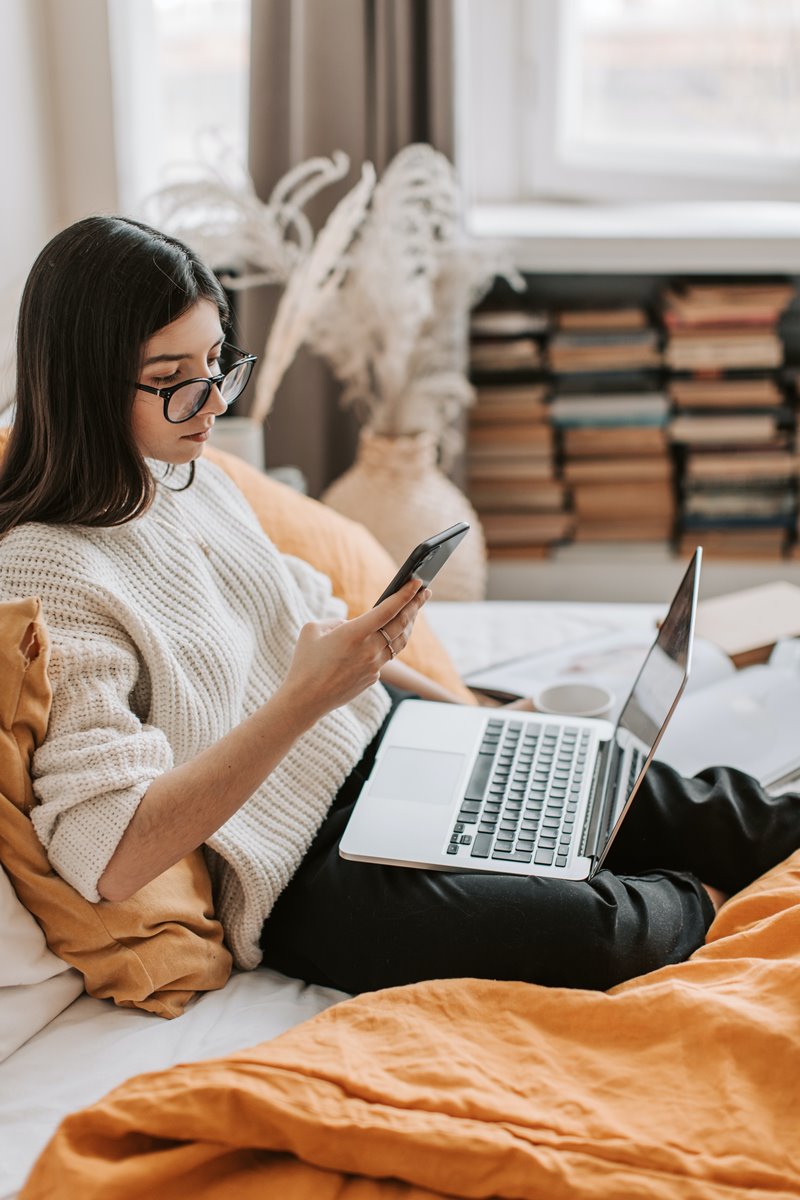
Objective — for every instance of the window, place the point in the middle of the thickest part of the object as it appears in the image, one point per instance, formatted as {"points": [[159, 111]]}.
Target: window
{"points": [[629, 100], [180, 77]]}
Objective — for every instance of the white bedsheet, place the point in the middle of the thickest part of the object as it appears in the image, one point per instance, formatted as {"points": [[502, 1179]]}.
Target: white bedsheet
{"points": [[93, 1046]]}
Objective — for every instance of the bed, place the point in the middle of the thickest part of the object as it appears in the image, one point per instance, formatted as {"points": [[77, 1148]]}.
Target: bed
{"points": [[92, 1046], [684, 1084]]}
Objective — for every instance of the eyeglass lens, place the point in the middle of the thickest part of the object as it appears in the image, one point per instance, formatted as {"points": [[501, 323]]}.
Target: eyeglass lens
{"points": [[189, 398]]}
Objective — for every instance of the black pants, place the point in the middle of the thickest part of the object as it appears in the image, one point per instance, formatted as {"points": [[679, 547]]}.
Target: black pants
{"points": [[361, 926]]}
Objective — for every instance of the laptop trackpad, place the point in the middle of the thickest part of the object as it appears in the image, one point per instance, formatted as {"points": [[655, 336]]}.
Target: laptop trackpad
{"points": [[429, 776]]}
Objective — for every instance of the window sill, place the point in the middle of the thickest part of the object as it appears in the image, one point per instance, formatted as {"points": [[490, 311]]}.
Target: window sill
{"points": [[613, 573], [743, 236]]}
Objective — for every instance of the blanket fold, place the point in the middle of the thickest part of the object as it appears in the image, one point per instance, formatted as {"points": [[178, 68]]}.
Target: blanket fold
{"points": [[682, 1084]]}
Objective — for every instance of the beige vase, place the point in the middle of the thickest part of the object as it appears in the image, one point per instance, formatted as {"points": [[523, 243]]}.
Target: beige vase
{"points": [[397, 490], [242, 437]]}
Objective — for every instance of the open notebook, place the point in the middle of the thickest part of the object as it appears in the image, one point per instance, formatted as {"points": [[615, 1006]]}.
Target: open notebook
{"points": [[746, 719]]}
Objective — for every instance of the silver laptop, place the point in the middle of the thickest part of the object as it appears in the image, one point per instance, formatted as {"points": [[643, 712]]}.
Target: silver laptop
{"points": [[457, 788]]}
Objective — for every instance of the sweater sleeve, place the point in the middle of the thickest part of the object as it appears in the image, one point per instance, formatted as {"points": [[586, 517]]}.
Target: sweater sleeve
{"points": [[316, 590], [98, 758]]}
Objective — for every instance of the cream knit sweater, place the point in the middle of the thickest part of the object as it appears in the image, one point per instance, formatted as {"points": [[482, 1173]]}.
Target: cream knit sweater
{"points": [[166, 632]]}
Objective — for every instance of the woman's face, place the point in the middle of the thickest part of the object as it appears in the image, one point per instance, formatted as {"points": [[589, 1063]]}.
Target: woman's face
{"points": [[187, 348]]}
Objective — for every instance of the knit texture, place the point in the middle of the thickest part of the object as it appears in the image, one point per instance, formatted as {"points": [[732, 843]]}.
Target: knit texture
{"points": [[166, 633]]}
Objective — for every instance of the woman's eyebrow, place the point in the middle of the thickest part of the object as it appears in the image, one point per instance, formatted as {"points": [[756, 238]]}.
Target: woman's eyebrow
{"points": [[157, 358]]}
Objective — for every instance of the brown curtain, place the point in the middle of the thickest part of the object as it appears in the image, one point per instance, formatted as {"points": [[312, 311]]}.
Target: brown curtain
{"points": [[363, 76]]}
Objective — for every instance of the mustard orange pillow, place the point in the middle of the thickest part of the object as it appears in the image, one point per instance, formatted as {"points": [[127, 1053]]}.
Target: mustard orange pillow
{"points": [[153, 951], [357, 565]]}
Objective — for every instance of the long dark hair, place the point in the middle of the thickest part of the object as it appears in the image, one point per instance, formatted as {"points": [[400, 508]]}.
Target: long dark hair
{"points": [[94, 296]]}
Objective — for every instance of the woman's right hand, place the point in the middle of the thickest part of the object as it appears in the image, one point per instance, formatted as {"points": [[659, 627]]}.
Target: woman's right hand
{"points": [[334, 661]]}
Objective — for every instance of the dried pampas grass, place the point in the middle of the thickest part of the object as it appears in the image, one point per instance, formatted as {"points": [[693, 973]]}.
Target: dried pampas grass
{"points": [[246, 241], [314, 286], [382, 292]]}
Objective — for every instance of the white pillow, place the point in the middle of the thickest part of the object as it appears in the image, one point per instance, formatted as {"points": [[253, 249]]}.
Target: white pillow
{"points": [[35, 985]]}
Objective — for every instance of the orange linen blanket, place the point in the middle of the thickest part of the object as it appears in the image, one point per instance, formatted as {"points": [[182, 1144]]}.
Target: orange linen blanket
{"points": [[682, 1084]]}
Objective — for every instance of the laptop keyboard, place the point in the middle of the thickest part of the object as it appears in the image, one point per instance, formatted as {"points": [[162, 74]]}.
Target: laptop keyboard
{"points": [[522, 797]]}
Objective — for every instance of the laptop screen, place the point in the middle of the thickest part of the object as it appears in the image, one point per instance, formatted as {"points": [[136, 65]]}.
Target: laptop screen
{"points": [[661, 679]]}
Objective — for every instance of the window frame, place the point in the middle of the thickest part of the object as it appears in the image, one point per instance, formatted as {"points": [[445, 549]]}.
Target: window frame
{"points": [[533, 35]]}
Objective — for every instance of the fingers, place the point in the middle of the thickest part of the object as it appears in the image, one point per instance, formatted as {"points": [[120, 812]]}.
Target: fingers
{"points": [[368, 642], [389, 608], [396, 639], [397, 632], [387, 639]]}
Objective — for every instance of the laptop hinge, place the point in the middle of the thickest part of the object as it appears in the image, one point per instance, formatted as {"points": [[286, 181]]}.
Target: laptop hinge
{"points": [[594, 834]]}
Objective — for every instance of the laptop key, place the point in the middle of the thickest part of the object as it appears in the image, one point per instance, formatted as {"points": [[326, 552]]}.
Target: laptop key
{"points": [[481, 845], [544, 857], [478, 780]]}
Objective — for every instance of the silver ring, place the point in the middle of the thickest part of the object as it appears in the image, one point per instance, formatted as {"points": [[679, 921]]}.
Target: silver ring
{"points": [[388, 641]]}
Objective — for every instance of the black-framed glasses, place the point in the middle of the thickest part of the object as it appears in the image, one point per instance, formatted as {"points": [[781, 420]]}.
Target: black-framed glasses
{"points": [[184, 400]]}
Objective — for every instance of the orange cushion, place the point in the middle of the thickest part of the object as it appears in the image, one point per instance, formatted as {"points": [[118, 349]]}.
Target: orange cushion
{"points": [[153, 951], [357, 565]]}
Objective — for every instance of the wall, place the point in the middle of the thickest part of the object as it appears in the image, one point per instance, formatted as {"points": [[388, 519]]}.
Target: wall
{"points": [[57, 137], [27, 197]]}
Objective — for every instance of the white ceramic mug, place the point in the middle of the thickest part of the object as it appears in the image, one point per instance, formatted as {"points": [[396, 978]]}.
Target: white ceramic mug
{"points": [[574, 699]]}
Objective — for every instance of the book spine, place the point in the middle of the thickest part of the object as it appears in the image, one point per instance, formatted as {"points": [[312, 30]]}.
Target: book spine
{"points": [[628, 408]]}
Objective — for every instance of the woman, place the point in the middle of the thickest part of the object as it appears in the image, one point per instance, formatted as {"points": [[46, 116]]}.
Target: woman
{"points": [[207, 690]]}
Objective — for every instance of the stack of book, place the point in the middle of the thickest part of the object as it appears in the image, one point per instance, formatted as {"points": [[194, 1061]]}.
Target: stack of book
{"points": [[602, 340], [724, 326], [738, 507], [732, 427], [506, 341], [792, 378], [610, 414], [510, 462]]}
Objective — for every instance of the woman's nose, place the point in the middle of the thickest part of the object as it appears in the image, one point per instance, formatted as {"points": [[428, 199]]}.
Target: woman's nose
{"points": [[215, 402]]}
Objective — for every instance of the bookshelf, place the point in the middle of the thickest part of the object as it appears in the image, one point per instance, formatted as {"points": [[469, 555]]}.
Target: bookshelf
{"points": [[560, 505]]}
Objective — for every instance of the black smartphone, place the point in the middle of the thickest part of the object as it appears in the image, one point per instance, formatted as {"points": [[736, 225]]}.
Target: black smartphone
{"points": [[426, 559]]}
